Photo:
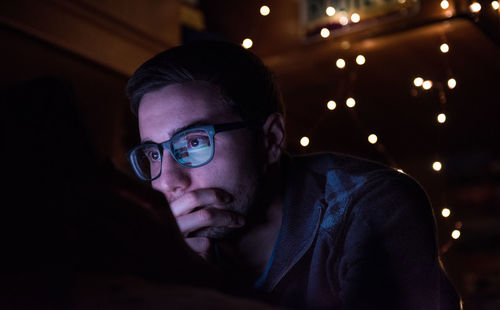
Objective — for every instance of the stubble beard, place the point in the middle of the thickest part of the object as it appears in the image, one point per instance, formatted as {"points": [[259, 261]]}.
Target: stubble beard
{"points": [[246, 199]]}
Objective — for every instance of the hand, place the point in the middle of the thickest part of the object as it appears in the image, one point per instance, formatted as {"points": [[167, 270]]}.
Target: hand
{"points": [[200, 209]]}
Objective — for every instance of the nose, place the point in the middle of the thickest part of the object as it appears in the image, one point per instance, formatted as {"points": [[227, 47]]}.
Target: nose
{"points": [[174, 179]]}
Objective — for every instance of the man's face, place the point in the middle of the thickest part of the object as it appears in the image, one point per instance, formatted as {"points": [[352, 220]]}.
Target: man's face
{"points": [[234, 169]]}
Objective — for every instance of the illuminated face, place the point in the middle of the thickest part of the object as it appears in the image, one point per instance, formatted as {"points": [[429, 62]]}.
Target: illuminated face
{"points": [[234, 169]]}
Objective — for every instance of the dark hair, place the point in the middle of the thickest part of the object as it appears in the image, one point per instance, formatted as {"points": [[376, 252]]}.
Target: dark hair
{"points": [[245, 83]]}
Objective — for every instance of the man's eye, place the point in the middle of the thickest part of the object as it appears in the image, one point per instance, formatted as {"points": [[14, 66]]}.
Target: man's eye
{"points": [[154, 155], [197, 142]]}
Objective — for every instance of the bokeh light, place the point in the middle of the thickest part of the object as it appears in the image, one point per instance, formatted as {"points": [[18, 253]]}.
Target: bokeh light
{"points": [[265, 10], [325, 33], [350, 102], [304, 141], [331, 105], [445, 212], [330, 11], [445, 48], [437, 166], [340, 63], [418, 81], [360, 60], [247, 43], [441, 118]]}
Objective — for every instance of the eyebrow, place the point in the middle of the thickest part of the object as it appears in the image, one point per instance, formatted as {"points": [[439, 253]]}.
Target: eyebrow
{"points": [[179, 129]]}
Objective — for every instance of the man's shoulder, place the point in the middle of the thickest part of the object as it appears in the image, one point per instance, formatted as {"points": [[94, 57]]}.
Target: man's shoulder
{"points": [[337, 167], [345, 175]]}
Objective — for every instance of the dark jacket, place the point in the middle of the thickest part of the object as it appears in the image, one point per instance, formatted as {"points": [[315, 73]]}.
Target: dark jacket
{"points": [[355, 235]]}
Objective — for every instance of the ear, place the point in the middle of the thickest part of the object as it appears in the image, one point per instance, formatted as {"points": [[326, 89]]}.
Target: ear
{"points": [[274, 137]]}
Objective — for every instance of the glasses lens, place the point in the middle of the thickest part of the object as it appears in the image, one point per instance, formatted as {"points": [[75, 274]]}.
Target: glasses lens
{"points": [[192, 148], [146, 160]]}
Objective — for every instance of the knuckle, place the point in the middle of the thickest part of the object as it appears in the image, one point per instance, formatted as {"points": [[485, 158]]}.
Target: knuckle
{"points": [[192, 198], [205, 216]]}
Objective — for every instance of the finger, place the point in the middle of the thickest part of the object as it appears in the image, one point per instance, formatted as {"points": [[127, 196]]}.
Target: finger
{"points": [[208, 218], [203, 197], [200, 245]]}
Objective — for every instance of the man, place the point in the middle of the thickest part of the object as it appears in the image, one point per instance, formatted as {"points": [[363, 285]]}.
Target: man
{"points": [[321, 231]]}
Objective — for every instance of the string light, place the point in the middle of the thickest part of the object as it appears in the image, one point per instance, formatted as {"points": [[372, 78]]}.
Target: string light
{"points": [[445, 4], [475, 7], [355, 18], [330, 11], [372, 138], [360, 60], [437, 166], [265, 10], [441, 118], [418, 81], [427, 85], [350, 102], [340, 63], [452, 83], [247, 43], [331, 105], [325, 33], [445, 48], [495, 5], [343, 20], [445, 212], [455, 234], [304, 141]]}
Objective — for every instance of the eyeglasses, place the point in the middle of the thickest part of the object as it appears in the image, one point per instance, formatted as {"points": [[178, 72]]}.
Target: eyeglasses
{"points": [[191, 148]]}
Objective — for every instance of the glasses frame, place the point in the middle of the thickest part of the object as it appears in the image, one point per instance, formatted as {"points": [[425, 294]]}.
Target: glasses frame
{"points": [[212, 130]]}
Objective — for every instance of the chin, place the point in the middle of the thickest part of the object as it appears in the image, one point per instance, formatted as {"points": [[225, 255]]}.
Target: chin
{"points": [[214, 232]]}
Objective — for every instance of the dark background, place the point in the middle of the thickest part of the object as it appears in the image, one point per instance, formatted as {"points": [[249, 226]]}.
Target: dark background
{"points": [[94, 46]]}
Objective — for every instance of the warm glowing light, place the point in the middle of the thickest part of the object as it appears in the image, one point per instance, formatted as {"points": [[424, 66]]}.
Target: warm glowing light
{"points": [[340, 63], [325, 33], [330, 11], [360, 60], [445, 212], [304, 141], [350, 102], [427, 85], [402, 1], [265, 10], [331, 105], [247, 43], [437, 166], [355, 18], [418, 81], [372, 138], [445, 4], [445, 48], [495, 5], [343, 20], [475, 7], [400, 170], [452, 83], [441, 118], [455, 234]]}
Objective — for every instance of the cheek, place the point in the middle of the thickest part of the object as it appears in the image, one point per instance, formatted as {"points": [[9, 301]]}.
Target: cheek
{"points": [[233, 164]]}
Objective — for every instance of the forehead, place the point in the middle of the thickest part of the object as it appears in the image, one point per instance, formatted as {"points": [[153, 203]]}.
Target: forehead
{"points": [[179, 105]]}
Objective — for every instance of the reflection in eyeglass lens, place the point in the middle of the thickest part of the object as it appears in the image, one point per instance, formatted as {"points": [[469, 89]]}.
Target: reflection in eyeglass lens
{"points": [[192, 148]]}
